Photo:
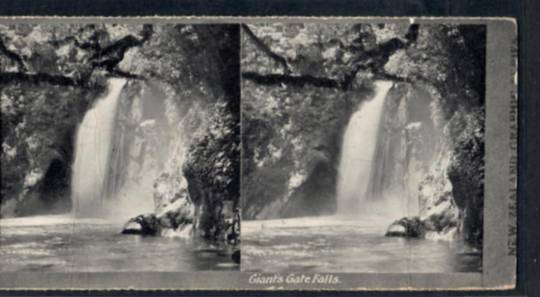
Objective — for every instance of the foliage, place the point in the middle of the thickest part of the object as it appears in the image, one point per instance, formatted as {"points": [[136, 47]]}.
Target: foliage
{"points": [[321, 50], [212, 168], [190, 58], [72, 51]]}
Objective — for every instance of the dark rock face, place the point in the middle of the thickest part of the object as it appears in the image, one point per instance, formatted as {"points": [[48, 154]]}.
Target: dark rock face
{"points": [[313, 197], [52, 195], [467, 176], [38, 128]]}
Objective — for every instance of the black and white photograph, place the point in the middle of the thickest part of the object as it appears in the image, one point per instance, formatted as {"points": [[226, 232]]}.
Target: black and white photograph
{"points": [[258, 153], [363, 147], [120, 147]]}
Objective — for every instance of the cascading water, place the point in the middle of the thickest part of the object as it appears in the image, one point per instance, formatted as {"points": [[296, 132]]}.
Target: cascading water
{"points": [[358, 151], [92, 151]]}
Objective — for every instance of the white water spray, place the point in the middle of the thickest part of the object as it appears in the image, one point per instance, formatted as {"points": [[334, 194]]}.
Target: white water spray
{"points": [[92, 151], [358, 151]]}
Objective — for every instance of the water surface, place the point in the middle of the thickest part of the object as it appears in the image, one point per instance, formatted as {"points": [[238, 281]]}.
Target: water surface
{"points": [[63, 244], [333, 244]]}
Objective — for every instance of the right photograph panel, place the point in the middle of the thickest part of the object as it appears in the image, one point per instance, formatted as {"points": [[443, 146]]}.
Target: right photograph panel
{"points": [[362, 147]]}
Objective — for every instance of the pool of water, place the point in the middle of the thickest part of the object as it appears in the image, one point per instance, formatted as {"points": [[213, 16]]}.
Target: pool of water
{"points": [[333, 244], [63, 244]]}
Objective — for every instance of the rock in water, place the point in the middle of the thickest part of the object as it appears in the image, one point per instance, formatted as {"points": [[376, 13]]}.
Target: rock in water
{"points": [[175, 218], [142, 225], [406, 227], [396, 230], [132, 228]]}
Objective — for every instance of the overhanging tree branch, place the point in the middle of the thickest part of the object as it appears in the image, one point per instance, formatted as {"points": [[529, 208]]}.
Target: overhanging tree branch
{"points": [[366, 60], [322, 82], [108, 57], [124, 74], [9, 77], [58, 80], [273, 79], [392, 77]]}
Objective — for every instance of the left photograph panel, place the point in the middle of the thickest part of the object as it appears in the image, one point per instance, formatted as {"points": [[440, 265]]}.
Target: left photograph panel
{"points": [[120, 147]]}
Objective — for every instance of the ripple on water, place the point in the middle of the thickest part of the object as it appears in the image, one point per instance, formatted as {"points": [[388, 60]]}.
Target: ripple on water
{"points": [[346, 247], [87, 247]]}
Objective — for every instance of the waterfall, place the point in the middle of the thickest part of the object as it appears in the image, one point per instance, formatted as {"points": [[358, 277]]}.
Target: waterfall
{"points": [[358, 151], [92, 152]]}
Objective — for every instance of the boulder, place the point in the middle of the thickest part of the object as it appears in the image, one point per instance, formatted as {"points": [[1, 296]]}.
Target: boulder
{"points": [[411, 227], [142, 225], [132, 227], [396, 230], [175, 217]]}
